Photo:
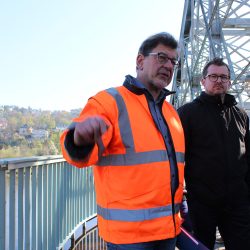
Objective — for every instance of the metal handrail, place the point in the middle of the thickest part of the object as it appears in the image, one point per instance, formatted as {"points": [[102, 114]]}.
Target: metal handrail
{"points": [[43, 201]]}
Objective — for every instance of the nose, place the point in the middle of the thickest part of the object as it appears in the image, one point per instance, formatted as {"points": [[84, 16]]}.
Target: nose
{"points": [[219, 79]]}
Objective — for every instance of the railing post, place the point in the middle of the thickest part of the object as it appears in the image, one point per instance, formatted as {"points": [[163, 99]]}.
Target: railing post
{"points": [[73, 242], [2, 208]]}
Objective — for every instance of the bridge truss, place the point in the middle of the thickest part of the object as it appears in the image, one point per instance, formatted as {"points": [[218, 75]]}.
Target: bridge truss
{"points": [[213, 28]]}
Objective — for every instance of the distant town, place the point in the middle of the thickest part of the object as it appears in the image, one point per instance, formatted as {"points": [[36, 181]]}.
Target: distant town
{"points": [[30, 132]]}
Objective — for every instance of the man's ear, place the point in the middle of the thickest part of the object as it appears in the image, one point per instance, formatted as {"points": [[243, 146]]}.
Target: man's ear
{"points": [[203, 81], [139, 61]]}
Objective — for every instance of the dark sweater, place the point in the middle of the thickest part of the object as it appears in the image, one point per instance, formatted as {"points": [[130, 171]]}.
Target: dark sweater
{"points": [[217, 150]]}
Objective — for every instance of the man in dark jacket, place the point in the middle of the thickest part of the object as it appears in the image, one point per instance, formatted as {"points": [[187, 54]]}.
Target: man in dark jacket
{"points": [[217, 161]]}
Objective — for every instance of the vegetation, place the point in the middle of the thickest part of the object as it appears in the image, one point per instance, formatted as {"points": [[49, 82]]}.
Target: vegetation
{"points": [[15, 144]]}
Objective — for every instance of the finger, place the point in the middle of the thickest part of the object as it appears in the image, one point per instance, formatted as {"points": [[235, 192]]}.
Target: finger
{"points": [[98, 140], [103, 127]]}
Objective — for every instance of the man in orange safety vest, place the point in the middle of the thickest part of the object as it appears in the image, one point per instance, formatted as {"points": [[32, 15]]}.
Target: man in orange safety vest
{"points": [[134, 139]]}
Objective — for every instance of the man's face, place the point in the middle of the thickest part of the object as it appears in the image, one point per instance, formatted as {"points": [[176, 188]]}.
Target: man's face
{"points": [[217, 80], [152, 71]]}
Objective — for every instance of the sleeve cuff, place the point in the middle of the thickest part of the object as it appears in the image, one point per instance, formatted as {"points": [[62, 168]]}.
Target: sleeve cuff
{"points": [[76, 152]]}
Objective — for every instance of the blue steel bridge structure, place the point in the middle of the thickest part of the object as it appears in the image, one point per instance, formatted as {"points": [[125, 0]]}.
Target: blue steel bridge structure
{"points": [[47, 204]]}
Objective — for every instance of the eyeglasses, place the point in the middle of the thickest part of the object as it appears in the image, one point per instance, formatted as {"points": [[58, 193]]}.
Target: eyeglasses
{"points": [[215, 78], [163, 58]]}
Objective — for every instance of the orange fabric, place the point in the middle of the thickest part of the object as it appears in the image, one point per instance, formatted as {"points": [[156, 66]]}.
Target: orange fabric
{"points": [[150, 230], [137, 186]]}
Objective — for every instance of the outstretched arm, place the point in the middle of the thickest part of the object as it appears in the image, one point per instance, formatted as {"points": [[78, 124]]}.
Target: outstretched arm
{"points": [[89, 134]]}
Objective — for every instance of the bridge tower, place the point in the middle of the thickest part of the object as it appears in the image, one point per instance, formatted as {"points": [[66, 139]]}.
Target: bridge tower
{"points": [[214, 28]]}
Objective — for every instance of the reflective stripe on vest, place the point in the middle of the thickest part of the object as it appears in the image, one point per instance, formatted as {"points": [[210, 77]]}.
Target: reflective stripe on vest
{"points": [[131, 157], [136, 214]]}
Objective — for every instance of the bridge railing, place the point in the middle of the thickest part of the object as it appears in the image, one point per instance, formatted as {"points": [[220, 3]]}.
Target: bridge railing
{"points": [[45, 203]]}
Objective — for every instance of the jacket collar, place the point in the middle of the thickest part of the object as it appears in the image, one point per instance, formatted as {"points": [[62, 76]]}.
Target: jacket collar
{"points": [[130, 84], [229, 100]]}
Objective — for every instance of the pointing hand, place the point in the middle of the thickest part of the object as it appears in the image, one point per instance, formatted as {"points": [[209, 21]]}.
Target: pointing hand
{"points": [[89, 131]]}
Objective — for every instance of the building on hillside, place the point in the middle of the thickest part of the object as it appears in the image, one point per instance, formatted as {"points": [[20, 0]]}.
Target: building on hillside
{"points": [[40, 134], [25, 130]]}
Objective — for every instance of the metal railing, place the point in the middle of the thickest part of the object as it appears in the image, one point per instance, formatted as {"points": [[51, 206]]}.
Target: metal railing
{"points": [[44, 202]]}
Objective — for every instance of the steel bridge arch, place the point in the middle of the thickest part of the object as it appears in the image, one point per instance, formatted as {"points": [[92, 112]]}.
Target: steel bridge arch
{"points": [[213, 28]]}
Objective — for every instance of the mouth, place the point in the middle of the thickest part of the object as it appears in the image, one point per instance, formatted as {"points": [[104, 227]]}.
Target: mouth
{"points": [[219, 87], [165, 75]]}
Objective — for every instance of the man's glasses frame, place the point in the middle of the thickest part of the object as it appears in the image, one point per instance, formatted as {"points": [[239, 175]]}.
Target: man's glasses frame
{"points": [[163, 58], [214, 78]]}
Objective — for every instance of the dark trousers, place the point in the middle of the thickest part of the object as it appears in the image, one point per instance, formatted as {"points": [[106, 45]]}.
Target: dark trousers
{"points": [[233, 223]]}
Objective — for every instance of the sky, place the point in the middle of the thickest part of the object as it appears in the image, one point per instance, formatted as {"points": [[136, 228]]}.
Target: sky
{"points": [[55, 54]]}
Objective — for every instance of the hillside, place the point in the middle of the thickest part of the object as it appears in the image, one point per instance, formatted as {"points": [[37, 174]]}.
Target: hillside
{"points": [[31, 132]]}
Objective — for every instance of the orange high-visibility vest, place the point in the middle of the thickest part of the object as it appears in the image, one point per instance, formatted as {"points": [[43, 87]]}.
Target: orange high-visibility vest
{"points": [[131, 168]]}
